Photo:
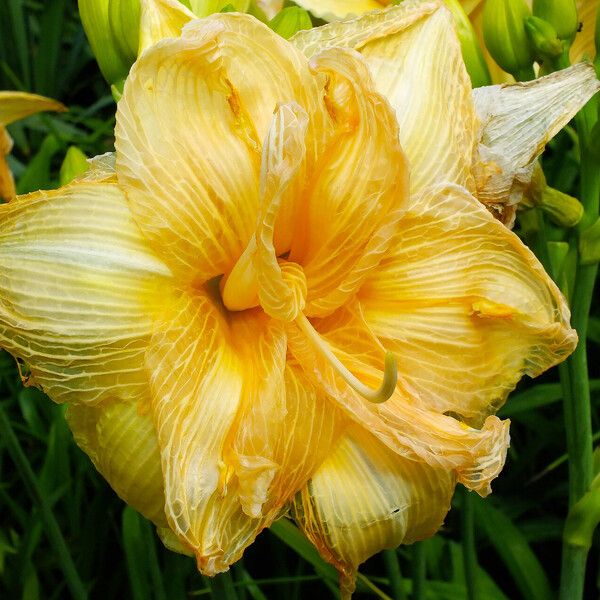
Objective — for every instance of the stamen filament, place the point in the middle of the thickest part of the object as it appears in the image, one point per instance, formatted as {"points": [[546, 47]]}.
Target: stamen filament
{"points": [[390, 376]]}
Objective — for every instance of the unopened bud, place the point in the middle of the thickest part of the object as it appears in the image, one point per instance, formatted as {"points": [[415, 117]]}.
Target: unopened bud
{"points": [[289, 21], [543, 38], [563, 210], [74, 164], [505, 36], [561, 14], [471, 50], [589, 245], [203, 8]]}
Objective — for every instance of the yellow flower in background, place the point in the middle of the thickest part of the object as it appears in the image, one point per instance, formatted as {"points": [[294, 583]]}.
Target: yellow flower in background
{"points": [[219, 302], [13, 107]]}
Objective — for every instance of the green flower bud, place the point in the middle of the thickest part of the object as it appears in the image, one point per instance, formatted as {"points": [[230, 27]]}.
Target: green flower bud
{"points": [[589, 245], [203, 8], [95, 17], [74, 164], [289, 21], [471, 50], [561, 14], [543, 38], [505, 36], [124, 21]]}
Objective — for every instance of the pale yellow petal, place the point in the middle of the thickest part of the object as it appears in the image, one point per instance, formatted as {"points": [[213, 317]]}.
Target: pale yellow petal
{"points": [[415, 59], [121, 442], [78, 288], [239, 432], [7, 184], [583, 46], [333, 10], [189, 134], [160, 19], [365, 498], [517, 121], [357, 190], [18, 105], [465, 306], [402, 423]]}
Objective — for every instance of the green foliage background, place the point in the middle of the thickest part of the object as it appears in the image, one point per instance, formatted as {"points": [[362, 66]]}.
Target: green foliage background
{"points": [[63, 532]]}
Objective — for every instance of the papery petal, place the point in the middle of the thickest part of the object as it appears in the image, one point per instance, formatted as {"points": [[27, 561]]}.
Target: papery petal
{"points": [[357, 190], [121, 442], [517, 121], [189, 132], [78, 290], [160, 19], [365, 498], [415, 59], [466, 307], [239, 434], [402, 422], [332, 10]]}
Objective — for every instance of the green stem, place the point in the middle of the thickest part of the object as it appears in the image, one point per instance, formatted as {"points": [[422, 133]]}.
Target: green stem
{"points": [[468, 544], [390, 557], [418, 571], [51, 526], [574, 374]]}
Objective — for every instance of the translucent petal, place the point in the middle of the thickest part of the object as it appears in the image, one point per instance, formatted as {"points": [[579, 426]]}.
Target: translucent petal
{"points": [[160, 19], [402, 423], [78, 290], [18, 105], [7, 184], [332, 10], [356, 191], [365, 498], [239, 431], [189, 133], [517, 121], [415, 59], [465, 306], [121, 442]]}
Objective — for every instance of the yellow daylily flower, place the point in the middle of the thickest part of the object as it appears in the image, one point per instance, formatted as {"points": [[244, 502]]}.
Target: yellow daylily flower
{"points": [[13, 107], [220, 301]]}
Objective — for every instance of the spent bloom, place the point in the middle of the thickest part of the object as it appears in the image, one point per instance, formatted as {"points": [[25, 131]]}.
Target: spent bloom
{"points": [[283, 293]]}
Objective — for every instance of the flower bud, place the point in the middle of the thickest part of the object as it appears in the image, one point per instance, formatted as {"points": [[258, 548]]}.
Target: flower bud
{"points": [[289, 21], [203, 8], [471, 50], [589, 244], [505, 36], [74, 164], [112, 28], [561, 14], [543, 38]]}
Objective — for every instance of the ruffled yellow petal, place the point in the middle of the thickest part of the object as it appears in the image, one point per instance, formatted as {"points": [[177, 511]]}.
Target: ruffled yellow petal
{"points": [[365, 498], [357, 188], [583, 46], [189, 134], [402, 423], [465, 306], [122, 444], [516, 123], [13, 107], [78, 288], [415, 59], [333, 10], [239, 431], [160, 19]]}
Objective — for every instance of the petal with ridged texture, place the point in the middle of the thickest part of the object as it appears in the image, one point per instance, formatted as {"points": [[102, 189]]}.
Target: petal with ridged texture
{"points": [[189, 134], [415, 59], [333, 10], [517, 121], [160, 19], [357, 190], [78, 290], [466, 307], [365, 498], [239, 431], [121, 442], [403, 423]]}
